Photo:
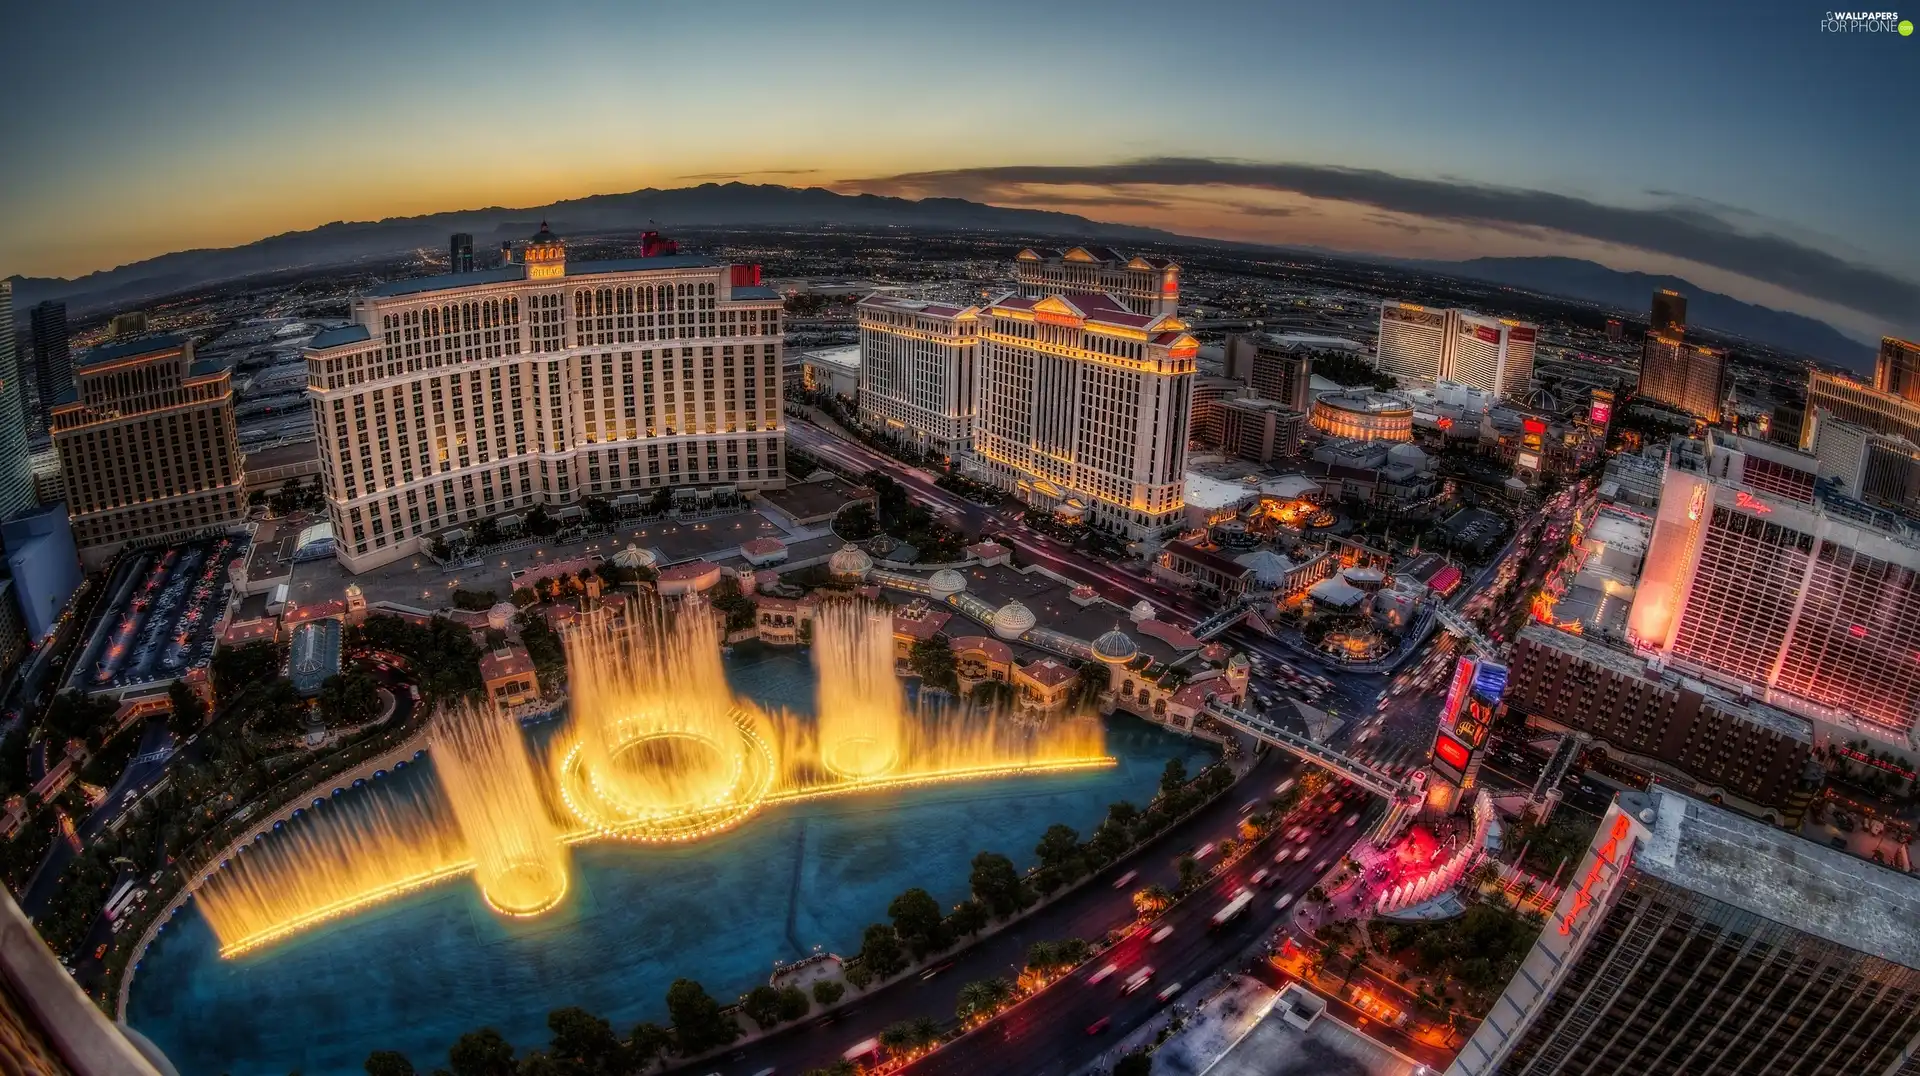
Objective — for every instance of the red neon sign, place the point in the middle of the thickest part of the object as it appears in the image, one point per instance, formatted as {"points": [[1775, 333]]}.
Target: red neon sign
{"points": [[1456, 692], [1748, 501], [1533, 425], [1583, 897], [1451, 751]]}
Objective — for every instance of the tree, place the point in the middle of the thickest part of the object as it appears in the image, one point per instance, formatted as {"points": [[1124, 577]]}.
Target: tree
{"points": [[648, 1041], [855, 522], [1138, 1063], [880, 951], [1174, 777], [186, 714], [793, 1003], [1153, 898], [388, 1063], [349, 699], [481, 1053], [932, 659], [858, 975], [917, 920], [827, 991], [982, 997], [991, 694], [586, 1040], [906, 1036], [1059, 846], [968, 917], [698, 1023], [1190, 874], [997, 884], [762, 1005], [1090, 680]]}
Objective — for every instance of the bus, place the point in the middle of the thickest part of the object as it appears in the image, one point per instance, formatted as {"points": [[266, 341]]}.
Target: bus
{"points": [[1232, 909]]}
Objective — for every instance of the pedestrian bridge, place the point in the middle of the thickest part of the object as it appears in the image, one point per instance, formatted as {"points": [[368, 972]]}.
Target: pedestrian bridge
{"points": [[1404, 797]]}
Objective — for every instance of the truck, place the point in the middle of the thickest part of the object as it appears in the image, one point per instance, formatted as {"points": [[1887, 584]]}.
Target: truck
{"points": [[1232, 909]]}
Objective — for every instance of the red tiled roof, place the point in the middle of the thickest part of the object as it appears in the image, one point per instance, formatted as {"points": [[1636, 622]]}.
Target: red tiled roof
{"points": [[527, 577], [924, 626], [986, 646], [986, 550], [760, 547], [318, 611], [1048, 673], [1219, 562], [1178, 638], [512, 661], [693, 569], [468, 618]]}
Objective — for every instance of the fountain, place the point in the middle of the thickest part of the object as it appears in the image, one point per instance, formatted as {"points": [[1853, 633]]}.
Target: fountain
{"points": [[657, 749]]}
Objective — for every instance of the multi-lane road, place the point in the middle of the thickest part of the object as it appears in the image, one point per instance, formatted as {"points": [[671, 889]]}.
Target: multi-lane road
{"points": [[1089, 913]]}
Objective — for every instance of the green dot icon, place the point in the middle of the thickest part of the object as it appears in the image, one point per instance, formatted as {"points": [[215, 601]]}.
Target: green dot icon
{"points": [[1906, 27]]}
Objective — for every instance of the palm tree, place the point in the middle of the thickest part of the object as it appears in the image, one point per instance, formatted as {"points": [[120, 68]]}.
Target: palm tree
{"points": [[1153, 898]]}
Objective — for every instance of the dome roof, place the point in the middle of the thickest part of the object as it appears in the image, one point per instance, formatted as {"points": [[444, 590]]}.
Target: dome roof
{"points": [[1013, 620], [633, 557], [1407, 453], [1115, 647], [850, 559], [500, 615], [1142, 610], [946, 582]]}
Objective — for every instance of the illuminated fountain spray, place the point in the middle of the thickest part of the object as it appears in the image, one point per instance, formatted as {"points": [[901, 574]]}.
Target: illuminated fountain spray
{"points": [[484, 769], [662, 750], [862, 711]]}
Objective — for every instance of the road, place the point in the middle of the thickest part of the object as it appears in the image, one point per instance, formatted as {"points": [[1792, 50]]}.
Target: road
{"points": [[1089, 912], [1053, 1033], [978, 520]]}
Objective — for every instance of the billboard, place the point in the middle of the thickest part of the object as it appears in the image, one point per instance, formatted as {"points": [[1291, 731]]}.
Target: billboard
{"points": [[1453, 757]]}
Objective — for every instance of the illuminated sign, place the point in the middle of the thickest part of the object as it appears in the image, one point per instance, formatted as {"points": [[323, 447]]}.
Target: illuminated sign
{"points": [[1490, 682], [1534, 425], [1698, 504], [1604, 856], [1456, 692], [1486, 335], [1599, 413], [1529, 460], [1452, 752], [1753, 504]]}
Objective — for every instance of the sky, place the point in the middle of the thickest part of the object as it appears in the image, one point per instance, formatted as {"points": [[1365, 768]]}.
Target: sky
{"points": [[1735, 144]]}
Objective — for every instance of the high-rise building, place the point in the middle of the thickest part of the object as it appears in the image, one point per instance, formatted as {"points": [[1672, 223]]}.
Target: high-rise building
{"points": [[1683, 376], [1694, 940], [1880, 468], [918, 372], [1413, 342], [460, 259], [1863, 405], [1203, 412], [1753, 581], [1616, 332], [1148, 286], [1897, 370], [147, 447], [127, 325], [1669, 316], [470, 396], [1260, 430], [1276, 369], [52, 360], [16, 467], [1492, 355], [1659, 722], [1084, 408]]}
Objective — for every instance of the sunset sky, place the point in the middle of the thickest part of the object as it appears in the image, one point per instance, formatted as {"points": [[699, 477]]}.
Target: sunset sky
{"points": [[1734, 144]]}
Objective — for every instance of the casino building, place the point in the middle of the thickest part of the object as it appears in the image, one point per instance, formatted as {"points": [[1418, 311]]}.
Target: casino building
{"points": [[456, 398]]}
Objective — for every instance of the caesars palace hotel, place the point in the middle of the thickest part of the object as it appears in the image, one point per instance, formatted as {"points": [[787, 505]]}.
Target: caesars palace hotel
{"points": [[462, 397]]}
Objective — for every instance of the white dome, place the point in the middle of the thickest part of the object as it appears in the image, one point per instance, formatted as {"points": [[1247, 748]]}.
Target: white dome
{"points": [[633, 557], [946, 582], [500, 616], [1115, 647], [1409, 454], [850, 560], [1143, 610], [1013, 620]]}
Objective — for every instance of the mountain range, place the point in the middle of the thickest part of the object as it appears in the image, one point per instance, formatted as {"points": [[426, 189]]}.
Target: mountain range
{"points": [[738, 205]]}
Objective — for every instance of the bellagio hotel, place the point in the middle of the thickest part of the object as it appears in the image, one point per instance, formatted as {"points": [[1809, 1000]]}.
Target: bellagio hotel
{"points": [[476, 395]]}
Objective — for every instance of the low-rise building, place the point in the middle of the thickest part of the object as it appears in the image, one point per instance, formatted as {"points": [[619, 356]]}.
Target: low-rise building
{"points": [[509, 677]]}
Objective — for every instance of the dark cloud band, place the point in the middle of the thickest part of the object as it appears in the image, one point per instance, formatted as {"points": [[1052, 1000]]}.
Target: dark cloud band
{"points": [[1679, 231]]}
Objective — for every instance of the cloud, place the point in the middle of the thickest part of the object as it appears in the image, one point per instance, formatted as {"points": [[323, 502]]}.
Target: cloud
{"points": [[1039, 198], [1689, 229], [715, 177]]}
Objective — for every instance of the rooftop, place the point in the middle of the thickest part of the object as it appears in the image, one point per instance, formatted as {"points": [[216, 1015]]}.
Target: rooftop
{"points": [[752, 291], [449, 281], [846, 357], [337, 337], [127, 349], [1772, 873], [1372, 403], [657, 262]]}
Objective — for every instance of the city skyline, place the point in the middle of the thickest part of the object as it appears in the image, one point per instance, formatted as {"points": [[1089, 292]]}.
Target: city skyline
{"points": [[1371, 142]]}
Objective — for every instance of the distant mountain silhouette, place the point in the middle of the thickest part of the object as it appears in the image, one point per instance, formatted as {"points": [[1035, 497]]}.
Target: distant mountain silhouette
{"points": [[710, 205], [1633, 294], [739, 205]]}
